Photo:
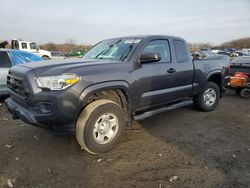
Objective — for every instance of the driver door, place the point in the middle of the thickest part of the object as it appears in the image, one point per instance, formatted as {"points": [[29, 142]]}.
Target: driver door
{"points": [[153, 79]]}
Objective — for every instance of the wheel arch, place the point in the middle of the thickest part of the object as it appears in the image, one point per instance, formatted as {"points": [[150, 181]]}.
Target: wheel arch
{"points": [[216, 77], [117, 91], [46, 57]]}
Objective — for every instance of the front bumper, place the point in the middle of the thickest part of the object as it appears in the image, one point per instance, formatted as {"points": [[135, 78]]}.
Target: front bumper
{"points": [[4, 91], [60, 115], [56, 110], [20, 112]]}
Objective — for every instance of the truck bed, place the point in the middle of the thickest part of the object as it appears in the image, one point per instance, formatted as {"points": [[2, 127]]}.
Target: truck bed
{"points": [[214, 62]]}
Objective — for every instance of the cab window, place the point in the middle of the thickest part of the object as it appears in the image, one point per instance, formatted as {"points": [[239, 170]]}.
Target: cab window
{"points": [[161, 47], [33, 46], [24, 45]]}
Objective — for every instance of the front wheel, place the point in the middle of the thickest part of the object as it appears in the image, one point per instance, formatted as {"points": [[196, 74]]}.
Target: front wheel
{"points": [[100, 126], [208, 99]]}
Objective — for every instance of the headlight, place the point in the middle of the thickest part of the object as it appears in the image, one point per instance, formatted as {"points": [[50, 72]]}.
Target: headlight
{"points": [[57, 82]]}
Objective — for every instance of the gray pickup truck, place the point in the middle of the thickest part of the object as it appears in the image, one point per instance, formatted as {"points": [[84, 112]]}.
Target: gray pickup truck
{"points": [[117, 81]]}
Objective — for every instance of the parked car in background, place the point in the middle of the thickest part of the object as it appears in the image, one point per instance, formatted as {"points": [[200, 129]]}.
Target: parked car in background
{"points": [[231, 52], [30, 47], [246, 50], [76, 54], [239, 76], [58, 55], [240, 60], [221, 52], [242, 53], [9, 58], [207, 52]]}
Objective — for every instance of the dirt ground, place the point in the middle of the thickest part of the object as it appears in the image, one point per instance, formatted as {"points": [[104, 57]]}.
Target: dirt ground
{"points": [[200, 149]]}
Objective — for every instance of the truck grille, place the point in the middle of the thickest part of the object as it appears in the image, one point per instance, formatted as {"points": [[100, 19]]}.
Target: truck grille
{"points": [[17, 85]]}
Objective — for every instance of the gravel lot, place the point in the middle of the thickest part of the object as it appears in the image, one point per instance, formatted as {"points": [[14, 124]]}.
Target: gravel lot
{"points": [[192, 148]]}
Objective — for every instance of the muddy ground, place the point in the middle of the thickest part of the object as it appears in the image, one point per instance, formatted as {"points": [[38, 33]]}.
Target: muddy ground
{"points": [[200, 149]]}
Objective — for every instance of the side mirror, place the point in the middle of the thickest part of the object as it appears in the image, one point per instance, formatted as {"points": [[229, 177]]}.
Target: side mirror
{"points": [[149, 58]]}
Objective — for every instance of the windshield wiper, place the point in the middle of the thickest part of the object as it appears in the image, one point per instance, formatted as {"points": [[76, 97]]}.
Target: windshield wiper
{"points": [[102, 52], [125, 55]]}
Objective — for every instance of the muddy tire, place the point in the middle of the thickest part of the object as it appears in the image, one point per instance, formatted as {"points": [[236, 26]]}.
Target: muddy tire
{"points": [[100, 126], [245, 93], [208, 99]]}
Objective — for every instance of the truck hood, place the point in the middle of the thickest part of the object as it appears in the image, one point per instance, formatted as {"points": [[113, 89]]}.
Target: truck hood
{"points": [[53, 67], [44, 52]]}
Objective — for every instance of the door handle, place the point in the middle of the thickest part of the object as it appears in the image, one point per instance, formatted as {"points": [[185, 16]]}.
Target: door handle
{"points": [[171, 70]]}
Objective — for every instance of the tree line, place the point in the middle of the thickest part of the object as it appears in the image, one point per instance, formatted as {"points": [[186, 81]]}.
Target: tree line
{"points": [[66, 47], [237, 44], [72, 47]]}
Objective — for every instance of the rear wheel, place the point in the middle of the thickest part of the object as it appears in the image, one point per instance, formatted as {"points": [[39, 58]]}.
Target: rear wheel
{"points": [[208, 99], [100, 126], [245, 93]]}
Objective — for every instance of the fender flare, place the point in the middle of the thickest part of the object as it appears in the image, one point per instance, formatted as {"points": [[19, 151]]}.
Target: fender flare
{"points": [[219, 73], [214, 72], [111, 85]]}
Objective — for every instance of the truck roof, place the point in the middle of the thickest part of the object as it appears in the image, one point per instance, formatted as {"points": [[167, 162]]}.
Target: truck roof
{"points": [[23, 41], [149, 37]]}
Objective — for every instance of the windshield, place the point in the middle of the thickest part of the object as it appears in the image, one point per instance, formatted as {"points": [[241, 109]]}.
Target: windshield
{"points": [[113, 49], [33, 45]]}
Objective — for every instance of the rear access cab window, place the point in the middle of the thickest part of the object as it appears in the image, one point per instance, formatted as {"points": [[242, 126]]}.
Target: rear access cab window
{"points": [[180, 51]]}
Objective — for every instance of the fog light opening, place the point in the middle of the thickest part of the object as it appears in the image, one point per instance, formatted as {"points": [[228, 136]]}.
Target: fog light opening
{"points": [[45, 108]]}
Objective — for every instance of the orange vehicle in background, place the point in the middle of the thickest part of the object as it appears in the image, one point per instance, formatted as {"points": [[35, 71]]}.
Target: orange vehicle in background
{"points": [[239, 76]]}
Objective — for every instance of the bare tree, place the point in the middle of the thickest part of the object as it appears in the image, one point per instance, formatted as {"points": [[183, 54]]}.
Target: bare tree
{"points": [[70, 41], [238, 44]]}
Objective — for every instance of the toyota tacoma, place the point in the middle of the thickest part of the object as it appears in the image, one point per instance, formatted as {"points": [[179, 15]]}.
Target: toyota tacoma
{"points": [[119, 80]]}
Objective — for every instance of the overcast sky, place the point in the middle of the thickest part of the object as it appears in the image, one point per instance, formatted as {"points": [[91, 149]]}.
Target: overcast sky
{"points": [[88, 22]]}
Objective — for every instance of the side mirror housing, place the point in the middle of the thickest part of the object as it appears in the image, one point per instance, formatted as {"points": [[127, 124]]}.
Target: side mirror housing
{"points": [[149, 58]]}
